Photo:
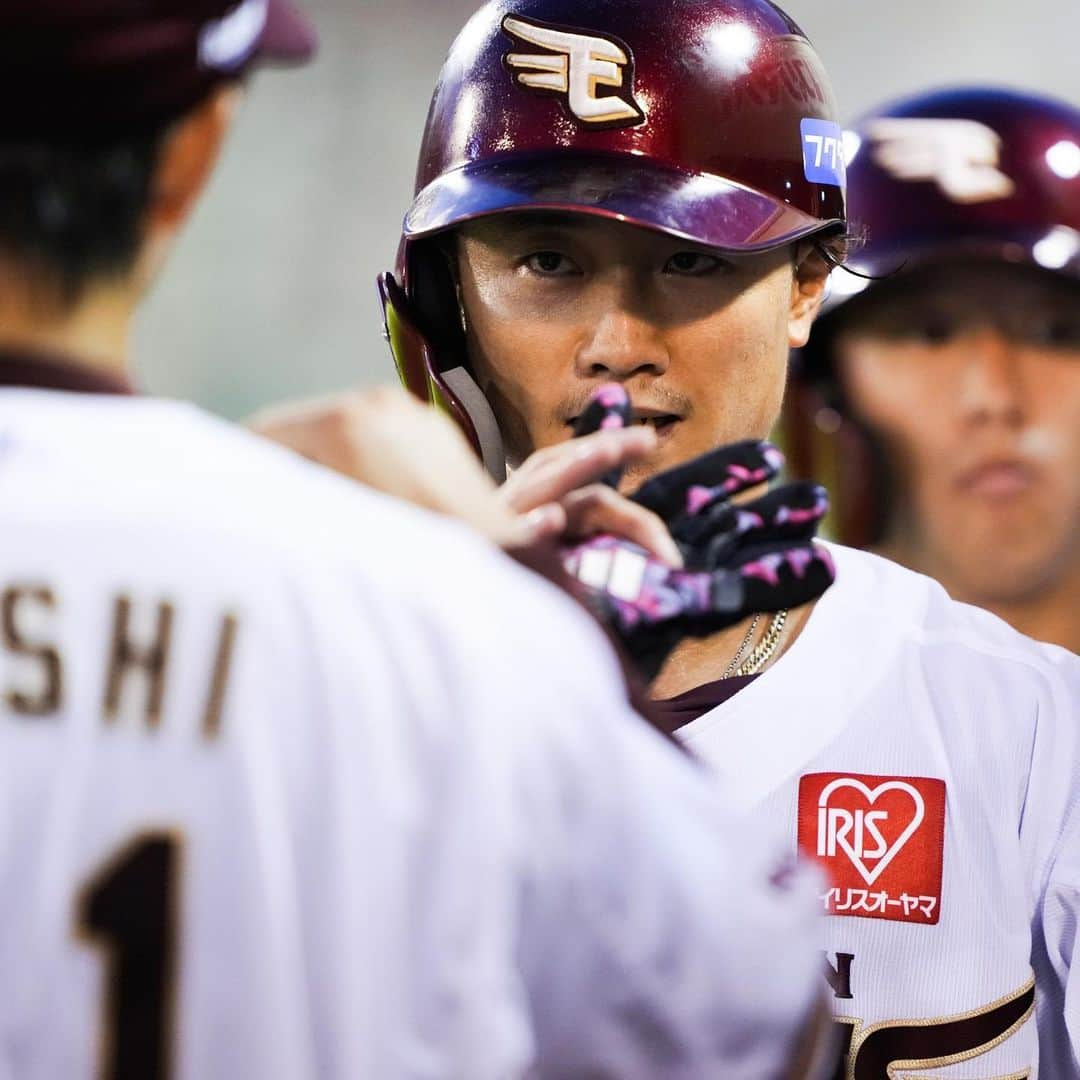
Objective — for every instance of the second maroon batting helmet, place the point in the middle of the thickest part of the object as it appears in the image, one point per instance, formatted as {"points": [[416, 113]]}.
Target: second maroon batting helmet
{"points": [[711, 120], [975, 171]]}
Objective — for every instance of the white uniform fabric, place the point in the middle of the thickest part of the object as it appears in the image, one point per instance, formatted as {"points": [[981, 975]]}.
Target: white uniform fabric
{"points": [[892, 690], [420, 837]]}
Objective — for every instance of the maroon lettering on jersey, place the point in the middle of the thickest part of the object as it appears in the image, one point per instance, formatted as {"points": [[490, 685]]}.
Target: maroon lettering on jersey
{"points": [[875, 1051]]}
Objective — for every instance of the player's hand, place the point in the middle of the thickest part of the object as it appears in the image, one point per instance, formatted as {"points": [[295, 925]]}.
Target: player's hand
{"points": [[652, 606], [577, 474], [740, 559], [697, 502], [388, 440]]}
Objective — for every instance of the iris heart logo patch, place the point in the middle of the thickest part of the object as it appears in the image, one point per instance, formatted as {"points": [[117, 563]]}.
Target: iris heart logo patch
{"points": [[881, 840], [860, 832]]}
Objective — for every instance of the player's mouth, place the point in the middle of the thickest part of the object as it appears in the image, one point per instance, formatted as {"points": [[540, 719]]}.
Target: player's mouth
{"points": [[998, 479], [663, 423]]}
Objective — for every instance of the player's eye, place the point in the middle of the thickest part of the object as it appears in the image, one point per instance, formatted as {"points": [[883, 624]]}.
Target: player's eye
{"points": [[692, 264], [1055, 331], [933, 329], [551, 264]]}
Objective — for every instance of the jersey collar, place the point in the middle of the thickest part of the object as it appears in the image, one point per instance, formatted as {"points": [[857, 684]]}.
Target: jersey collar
{"points": [[48, 372]]}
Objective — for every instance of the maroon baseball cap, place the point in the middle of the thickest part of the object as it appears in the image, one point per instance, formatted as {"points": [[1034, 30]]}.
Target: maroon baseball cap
{"points": [[93, 69]]}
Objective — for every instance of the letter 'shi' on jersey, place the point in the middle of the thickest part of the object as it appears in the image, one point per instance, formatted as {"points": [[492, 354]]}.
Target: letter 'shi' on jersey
{"points": [[880, 839]]}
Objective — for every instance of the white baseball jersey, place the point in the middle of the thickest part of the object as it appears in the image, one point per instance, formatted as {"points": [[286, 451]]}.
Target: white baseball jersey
{"points": [[266, 808], [929, 756]]}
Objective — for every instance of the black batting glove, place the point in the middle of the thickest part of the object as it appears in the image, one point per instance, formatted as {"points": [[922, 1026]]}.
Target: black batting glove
{"points": [[741, 559]]}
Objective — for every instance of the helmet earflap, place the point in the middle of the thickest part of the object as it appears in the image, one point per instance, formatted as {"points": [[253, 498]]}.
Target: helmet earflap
{"points": [[431, 279], [425, 329], [823, 438]]}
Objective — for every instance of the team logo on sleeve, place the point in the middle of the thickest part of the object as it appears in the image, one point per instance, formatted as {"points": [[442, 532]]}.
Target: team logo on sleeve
{"points": [[575, 66], [880, 838], [960, 156]]}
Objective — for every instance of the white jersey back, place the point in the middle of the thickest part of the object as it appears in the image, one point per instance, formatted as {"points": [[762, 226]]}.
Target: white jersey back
{"points": [[929, 757], [297, 782]]}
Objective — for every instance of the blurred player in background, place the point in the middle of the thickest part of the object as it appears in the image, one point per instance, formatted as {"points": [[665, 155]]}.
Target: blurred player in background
{"points": [[618, 190], [942, 395], [264, 811]]}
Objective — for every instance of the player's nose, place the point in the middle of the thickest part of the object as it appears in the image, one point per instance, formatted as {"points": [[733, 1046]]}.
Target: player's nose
{"points": [[620, 339], [991, 384]]}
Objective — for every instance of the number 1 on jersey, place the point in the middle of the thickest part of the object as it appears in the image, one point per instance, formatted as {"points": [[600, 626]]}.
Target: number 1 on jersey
{"points": [[129, 910]]}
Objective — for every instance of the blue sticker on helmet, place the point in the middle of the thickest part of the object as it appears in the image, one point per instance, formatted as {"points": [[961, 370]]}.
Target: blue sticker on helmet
{"points": [[823, 152]]}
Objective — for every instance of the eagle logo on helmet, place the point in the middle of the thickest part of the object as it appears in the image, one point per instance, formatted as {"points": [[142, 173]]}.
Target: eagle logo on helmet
{"points": [[574, 66], [960, 156]]}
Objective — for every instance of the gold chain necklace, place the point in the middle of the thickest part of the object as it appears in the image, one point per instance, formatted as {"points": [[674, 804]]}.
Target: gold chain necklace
{"points": [[766, 647], [737, 658]]}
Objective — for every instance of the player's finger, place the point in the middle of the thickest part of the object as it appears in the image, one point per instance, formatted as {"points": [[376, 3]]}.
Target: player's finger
{"points": [[609, 410], [791, 512], [544, 523], [597, 509], [555, 471], [786, 577], [720, 474]]}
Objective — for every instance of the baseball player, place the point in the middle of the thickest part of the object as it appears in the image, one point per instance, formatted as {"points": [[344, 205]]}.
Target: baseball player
{"points": [[260, 814], [941, 392], [653, 194]]}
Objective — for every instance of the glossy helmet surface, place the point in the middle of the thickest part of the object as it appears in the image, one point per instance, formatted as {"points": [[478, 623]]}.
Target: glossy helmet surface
{"points": [[712, 120], [978, 171]]}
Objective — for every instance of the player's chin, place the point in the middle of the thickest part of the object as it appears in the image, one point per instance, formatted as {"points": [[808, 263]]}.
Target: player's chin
{"points": [[667, 455], [1017, 579]]}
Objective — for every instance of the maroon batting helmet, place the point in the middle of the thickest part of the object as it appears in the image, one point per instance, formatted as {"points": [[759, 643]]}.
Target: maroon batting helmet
{"points": [[711, 120], [973, 171]]}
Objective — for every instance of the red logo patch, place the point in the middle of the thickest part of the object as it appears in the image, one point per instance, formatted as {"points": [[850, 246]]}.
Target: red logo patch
{"points": [[880, 839]]}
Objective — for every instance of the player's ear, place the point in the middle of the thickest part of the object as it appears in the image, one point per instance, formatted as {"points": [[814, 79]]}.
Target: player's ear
{"points": [[188, 155], [186, 158], [811, 273]]}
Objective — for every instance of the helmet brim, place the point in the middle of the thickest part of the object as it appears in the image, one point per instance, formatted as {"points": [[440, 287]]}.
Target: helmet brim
{"points": [[1056, 249], [287, 37], [698, 207]]}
